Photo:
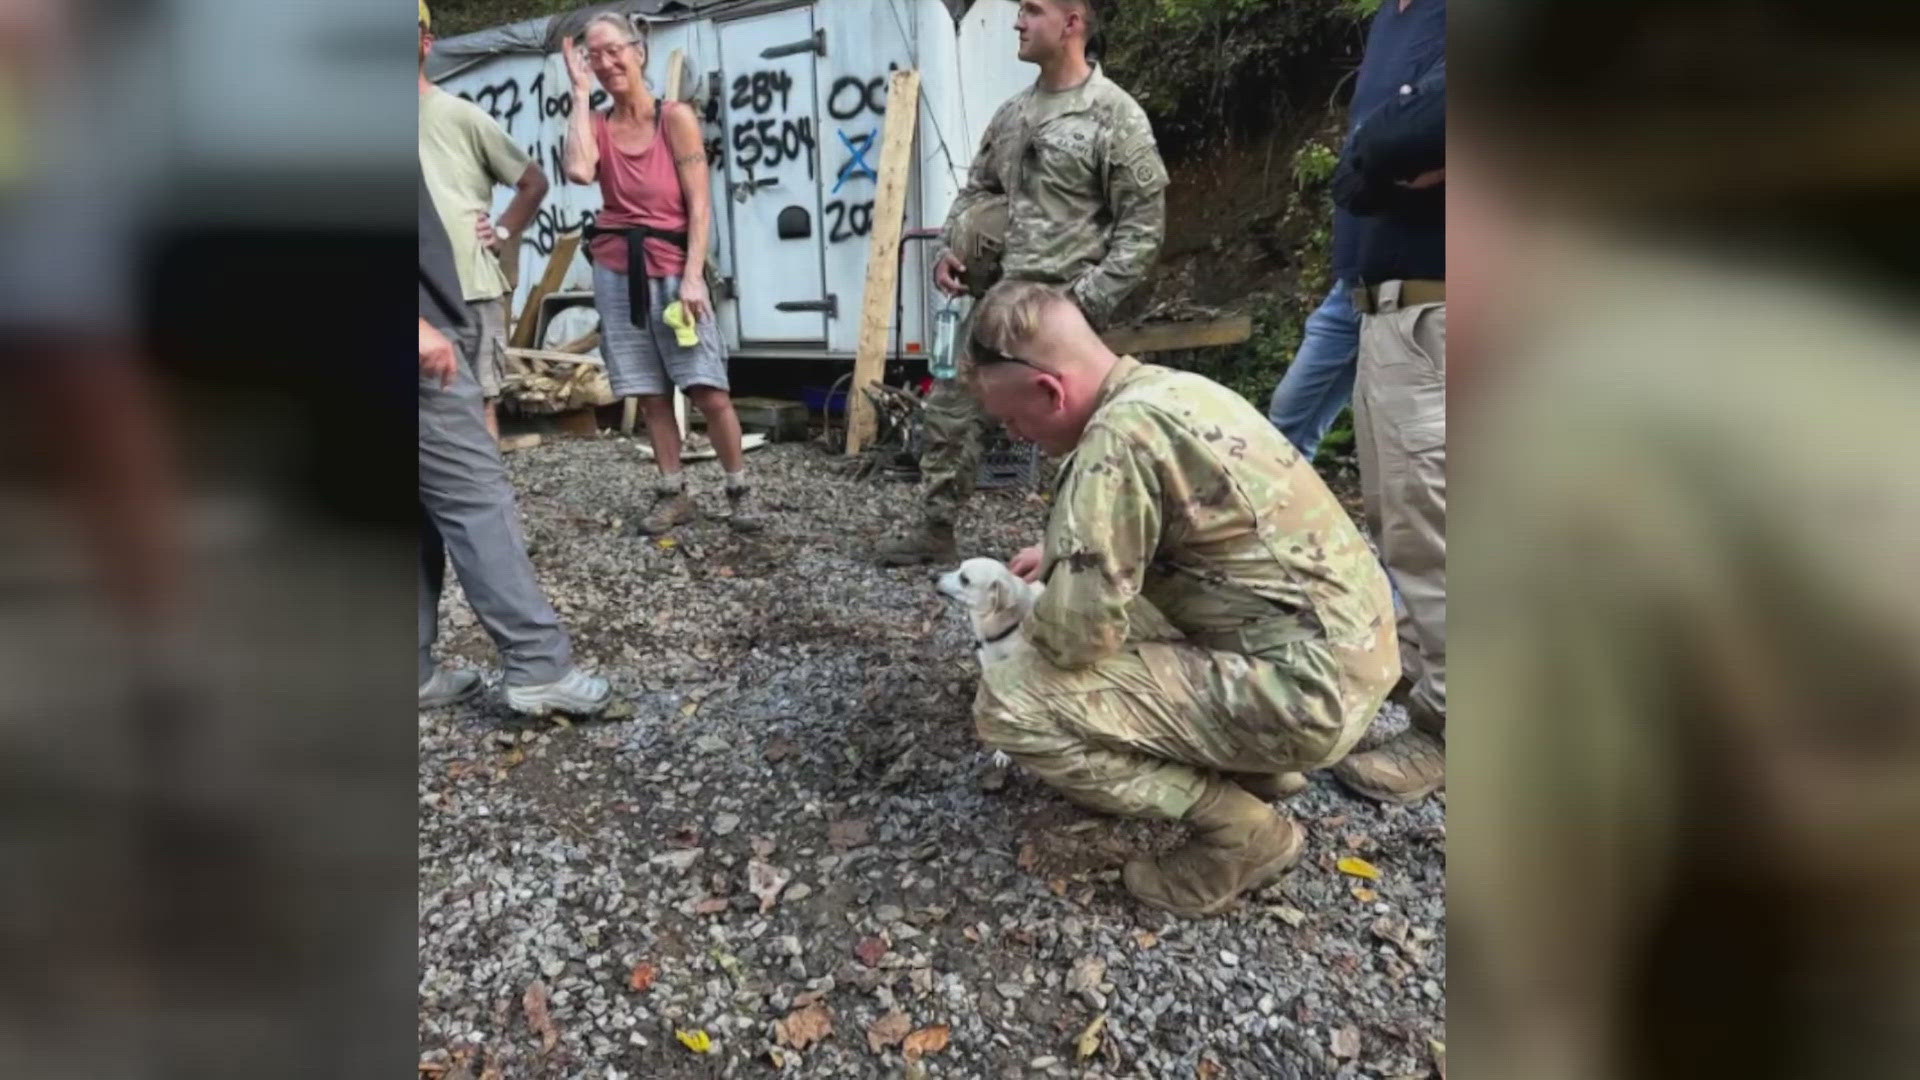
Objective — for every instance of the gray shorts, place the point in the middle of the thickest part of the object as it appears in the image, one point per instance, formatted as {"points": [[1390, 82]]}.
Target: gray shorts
{"points": [[483, 344], [647, 359]]}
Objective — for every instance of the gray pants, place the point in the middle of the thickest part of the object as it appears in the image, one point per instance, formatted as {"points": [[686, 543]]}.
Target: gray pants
{"points": [[467, 514]]}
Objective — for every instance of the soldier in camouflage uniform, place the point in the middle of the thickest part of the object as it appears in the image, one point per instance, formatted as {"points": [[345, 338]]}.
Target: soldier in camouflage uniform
{"points": [[1067, 188], [1178, 493]]}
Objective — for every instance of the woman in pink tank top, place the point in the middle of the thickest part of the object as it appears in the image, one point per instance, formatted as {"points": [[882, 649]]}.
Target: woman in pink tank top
{"points": [[648, 246]]}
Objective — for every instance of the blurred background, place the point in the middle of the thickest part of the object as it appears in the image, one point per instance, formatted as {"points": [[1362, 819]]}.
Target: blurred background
{"points": [[1685, 749], [206, 514]]}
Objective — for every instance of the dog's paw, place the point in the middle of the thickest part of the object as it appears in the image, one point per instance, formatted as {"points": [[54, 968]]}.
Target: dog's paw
{"points": [[1000, 759]]}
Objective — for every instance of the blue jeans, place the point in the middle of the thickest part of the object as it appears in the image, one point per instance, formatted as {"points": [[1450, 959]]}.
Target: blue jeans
{"points": [[1320, 381]]}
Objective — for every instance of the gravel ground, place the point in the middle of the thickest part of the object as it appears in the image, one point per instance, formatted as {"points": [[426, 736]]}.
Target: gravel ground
{"points": [[800, 721]]}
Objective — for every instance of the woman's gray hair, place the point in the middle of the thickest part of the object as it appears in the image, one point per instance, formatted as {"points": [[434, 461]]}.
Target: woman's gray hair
{"points": [[634, 29]]}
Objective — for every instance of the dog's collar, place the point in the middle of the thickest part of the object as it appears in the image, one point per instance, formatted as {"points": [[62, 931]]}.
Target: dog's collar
{"points": [[981, 643]]}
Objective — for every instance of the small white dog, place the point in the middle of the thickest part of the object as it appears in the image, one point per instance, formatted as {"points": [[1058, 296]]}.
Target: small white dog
{"points": [[997, 602]]}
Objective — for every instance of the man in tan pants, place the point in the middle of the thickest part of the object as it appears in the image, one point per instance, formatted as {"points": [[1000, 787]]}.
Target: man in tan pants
{"points": [[1393, 174]]}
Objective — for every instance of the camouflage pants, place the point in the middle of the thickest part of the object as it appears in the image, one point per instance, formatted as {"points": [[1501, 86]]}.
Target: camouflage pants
{"points": [[1140, 732], [957, 431]]}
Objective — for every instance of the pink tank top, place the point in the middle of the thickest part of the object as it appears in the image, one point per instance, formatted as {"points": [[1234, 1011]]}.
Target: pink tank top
{"points": [[639, 189]]}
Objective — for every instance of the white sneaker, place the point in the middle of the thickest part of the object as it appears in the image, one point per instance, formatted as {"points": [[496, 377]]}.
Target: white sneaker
{"points": [[576, 693], [447, 687]]}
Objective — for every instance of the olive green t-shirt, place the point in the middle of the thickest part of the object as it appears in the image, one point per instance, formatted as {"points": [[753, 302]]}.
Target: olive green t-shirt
{"points": [[464, 155]]}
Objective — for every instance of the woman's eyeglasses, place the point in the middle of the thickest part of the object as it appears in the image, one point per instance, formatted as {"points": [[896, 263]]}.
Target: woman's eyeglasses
{"points": [[604, 52]]}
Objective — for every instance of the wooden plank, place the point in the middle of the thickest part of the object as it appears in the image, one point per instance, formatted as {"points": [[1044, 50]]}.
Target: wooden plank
{"points": [[1172, 336], [552, 356], [676, 71], [883, 254], [558, 264], [582, 344]]}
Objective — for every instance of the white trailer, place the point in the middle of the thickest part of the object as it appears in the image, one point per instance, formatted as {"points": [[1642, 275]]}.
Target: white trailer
{"points": [[792, 95]]}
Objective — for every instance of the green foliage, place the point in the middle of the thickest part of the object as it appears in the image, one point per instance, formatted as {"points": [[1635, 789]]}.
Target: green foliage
{"points": [[1313, 164], [1208, 69]]}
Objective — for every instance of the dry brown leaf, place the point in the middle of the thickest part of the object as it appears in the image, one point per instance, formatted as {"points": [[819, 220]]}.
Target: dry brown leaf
{"points": [[1028, 858], [1346, 1043], [642, 978], [1146, 939], [851, 833], [764, 881], [1364, 894], [888, 1030], [801, 1001], [970, 934], [1208, 1069], [1087, 974], [777, 748], [930, 1040], [492, 1070], [870, 950], [1058, 886], [1288, 914], [712, 905], [539, 1019], [804, 1027]]}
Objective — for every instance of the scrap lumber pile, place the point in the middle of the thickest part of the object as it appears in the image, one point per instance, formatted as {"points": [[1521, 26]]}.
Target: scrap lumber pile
{"points": [[557, 380]]}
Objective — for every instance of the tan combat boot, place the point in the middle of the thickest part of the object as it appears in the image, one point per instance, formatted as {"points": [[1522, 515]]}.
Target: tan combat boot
{"points": [[669, 509], [1405, 769], [1238, 843], [928, 542], [1268, 787]]}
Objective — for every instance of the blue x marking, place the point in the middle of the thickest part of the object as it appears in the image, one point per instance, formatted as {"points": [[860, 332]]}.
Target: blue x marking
{"points": [[859, 146]]}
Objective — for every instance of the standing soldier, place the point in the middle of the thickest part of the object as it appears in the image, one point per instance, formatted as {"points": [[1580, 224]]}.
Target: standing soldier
{"points": [[1069, 185]]}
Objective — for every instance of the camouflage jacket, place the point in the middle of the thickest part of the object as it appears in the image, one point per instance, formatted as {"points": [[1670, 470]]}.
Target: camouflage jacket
{"points": [[1182, 493], [1085, 187]]}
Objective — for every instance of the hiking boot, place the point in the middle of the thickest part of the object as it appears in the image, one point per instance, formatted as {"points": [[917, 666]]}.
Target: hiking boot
{"points": [[737, 517], [1268, 787], [928, 542], [1238, 844], [447, 687], [669, 509], [1405, 769], [576, 694]]}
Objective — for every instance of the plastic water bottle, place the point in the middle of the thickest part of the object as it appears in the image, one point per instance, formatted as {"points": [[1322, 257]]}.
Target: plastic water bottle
{"points": [[944, 362]]}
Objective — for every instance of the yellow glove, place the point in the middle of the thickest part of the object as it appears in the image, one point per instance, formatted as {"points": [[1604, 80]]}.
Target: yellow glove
{"points": [[684, 331]]}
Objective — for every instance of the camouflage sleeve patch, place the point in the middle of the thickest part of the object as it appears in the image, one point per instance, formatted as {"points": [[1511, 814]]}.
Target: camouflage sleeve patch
{"points": [[1144, 169]]}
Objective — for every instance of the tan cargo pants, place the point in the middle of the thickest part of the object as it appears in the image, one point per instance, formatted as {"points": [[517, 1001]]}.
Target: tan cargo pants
{"points": [[1400, 433]]}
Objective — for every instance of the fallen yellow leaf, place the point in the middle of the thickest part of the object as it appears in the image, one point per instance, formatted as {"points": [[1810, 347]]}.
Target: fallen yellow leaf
{"points": [[1359, 868], [1090, 1038], [695, 1040], [668, 543]]}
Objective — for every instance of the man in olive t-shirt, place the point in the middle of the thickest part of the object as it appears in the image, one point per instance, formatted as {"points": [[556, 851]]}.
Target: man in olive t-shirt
{"points": [[464, 155]]}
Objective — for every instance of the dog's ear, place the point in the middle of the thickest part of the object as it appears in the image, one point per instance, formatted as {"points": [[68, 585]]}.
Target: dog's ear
{"points": [[1000, 594]]}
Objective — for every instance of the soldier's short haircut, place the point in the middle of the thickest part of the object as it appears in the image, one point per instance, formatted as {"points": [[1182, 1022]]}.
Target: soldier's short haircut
{"points": [[1086, 10], [1008, 318]]}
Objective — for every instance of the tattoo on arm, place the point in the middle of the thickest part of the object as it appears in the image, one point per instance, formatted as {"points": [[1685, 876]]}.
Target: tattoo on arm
{"points": [[693, 158]]}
